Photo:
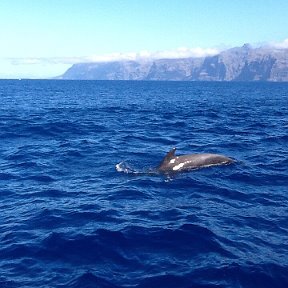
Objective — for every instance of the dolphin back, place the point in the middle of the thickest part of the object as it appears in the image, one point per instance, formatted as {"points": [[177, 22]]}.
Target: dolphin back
{"points": [[172, 163]]}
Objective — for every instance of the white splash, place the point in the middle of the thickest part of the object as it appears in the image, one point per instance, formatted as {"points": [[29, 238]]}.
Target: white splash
{"points": [[123, 167]]}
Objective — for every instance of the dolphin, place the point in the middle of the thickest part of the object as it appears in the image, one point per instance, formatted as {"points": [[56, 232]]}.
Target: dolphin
{"points": [[173, 164]]}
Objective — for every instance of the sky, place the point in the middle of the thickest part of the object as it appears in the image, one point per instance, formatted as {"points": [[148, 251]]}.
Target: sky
{"points": [[43, 38]]}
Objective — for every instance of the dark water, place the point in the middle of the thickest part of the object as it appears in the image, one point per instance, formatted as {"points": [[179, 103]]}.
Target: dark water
{"points": [[69, 219]]}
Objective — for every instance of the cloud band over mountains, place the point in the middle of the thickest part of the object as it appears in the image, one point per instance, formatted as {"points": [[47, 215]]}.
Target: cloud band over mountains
{"points": [[144, 55], [182, 52]]}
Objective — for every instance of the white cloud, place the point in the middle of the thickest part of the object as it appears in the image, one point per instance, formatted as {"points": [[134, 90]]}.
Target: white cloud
{"points": [[46, 60], [280, 45], [182, 52], [29, 68]]}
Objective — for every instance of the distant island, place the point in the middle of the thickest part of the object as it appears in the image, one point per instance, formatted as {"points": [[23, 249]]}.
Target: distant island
{"points": [[237, 64]]}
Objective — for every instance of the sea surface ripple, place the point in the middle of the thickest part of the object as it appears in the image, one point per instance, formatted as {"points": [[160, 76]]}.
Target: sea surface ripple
{"points": [[70, 219]]}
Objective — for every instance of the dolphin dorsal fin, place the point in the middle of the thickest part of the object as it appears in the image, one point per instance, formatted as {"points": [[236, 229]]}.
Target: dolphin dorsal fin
{"points": [[167, 159], [170, 154]]}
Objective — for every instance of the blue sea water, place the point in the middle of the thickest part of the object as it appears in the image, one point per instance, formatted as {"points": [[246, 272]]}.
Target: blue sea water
{"points": [[70, 219]]}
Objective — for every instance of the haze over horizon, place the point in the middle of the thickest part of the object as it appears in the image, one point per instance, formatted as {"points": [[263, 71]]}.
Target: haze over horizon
{"points": [[42, 39]]}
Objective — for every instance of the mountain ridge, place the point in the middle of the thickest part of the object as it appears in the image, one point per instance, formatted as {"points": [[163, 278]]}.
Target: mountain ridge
{"points": [[236, 64]]}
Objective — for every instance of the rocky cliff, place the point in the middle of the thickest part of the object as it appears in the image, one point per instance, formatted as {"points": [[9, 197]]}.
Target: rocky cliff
{"points": [[236, 64]]}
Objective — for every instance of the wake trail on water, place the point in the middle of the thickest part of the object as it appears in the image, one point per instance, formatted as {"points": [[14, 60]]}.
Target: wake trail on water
{"points": [[125, 167]]}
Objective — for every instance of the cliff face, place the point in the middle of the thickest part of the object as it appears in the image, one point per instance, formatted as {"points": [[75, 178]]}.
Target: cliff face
{"points": [[236, 64]]}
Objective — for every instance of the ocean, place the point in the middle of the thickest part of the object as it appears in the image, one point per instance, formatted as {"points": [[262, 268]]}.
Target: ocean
{"points": [[69, 218]]}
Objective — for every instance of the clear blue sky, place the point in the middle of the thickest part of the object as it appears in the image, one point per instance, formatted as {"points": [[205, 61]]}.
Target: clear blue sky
{"points": [[42, 38]]}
